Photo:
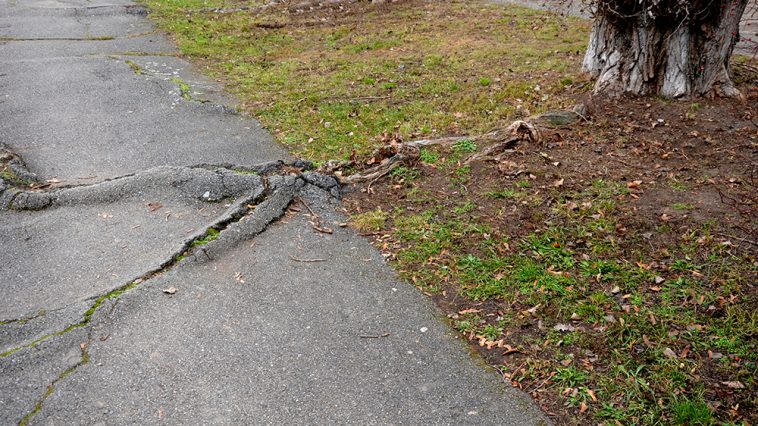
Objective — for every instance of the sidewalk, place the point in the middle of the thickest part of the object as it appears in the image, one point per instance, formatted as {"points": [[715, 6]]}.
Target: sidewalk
{"points": [[173, 272]]}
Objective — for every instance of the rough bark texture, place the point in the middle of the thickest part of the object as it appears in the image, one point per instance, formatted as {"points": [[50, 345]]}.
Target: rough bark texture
{"points": [[639, 48]]}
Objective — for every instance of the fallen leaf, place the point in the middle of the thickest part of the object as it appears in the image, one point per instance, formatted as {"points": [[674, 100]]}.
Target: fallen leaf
{"points": [[669, 353], [558, 183], [469, 311], [591, 393], [170, 290], [734, 385], [634, 184], [153, 206], [509, 350], [583, 407]]}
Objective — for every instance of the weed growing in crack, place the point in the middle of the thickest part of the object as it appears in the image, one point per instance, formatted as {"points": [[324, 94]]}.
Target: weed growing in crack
{"points": [[184, 89], [99, 38], [134, 66], [51, 388], [209, 236]]}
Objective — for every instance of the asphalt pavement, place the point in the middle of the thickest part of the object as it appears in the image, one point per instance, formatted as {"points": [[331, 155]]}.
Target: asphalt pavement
{"points": [[160, 265]]}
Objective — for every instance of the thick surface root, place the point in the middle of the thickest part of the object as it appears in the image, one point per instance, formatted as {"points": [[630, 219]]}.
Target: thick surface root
{"points": [[395, 153]]}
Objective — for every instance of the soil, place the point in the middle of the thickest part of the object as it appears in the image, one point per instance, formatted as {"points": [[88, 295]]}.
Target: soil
{"points": [[702, 155]]}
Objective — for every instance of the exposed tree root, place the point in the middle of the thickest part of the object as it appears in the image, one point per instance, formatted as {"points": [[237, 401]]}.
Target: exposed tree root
{"points": [[394, 153], [292, 7], [253, 9]]}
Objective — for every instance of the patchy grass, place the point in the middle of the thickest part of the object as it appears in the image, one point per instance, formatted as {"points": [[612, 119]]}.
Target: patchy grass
{"points": [[619, 295], [416, 67], [371, 221]]}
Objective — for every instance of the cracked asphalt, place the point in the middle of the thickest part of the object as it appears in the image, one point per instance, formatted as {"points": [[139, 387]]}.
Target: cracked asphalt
{"points": [[167, 269]]}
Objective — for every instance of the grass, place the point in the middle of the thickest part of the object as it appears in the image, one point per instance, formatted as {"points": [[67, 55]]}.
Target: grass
{"points": [[185, 91], [692, 412], [371, 221], [134, 66], [417, 68], [8, 175], [590, 295], [209, 236]]}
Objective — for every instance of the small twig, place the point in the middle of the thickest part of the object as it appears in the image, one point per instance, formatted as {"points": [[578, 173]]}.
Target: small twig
{"points": [[359, 98], [371, 336], [306, 260], [738, 238], [308, 207], [317, 225], [541, 384]]}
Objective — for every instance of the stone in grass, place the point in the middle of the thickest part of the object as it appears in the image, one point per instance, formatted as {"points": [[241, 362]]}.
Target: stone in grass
{"points": [[557, 119]]}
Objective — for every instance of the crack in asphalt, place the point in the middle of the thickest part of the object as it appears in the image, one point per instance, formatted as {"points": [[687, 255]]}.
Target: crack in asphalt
{"points": [[93, 38], [51, 387], [252, 215], [173, 259], [25, 319]]}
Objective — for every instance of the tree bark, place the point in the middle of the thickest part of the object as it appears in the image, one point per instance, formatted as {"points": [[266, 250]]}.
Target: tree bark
{"points": [[684, 53]]}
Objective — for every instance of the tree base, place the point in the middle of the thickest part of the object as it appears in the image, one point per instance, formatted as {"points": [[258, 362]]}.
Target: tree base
{"points": [[643, 55]]}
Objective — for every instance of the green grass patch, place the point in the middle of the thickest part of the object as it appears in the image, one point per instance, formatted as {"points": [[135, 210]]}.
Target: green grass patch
{"points": [[370, 221], [407, 68]]}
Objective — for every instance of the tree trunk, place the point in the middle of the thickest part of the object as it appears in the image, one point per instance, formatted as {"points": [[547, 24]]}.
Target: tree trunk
{"points": [[685, 53]]}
